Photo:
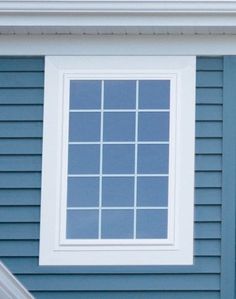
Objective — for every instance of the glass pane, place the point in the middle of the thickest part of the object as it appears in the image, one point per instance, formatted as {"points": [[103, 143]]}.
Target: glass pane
{"points": [[84, 159], [117, 192], [82, 224], [154, 94], [153, 126], [117, 224], [153, 158], [152, 191], [83, 192], [151, 224], [119, 126], [119, 94], [118, 159], [124, 168], [85, 94], [85, 126]]}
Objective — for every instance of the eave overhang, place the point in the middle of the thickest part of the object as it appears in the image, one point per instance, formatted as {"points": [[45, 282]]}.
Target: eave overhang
{"points": [[118, 16]]}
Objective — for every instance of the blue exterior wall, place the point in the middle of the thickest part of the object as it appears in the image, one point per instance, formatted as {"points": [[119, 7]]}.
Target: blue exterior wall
{"points": [[21, 117]]}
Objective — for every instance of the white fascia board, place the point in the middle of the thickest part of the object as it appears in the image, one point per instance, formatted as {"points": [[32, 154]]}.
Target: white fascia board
{"points": [[139, 45], [10, 287], [40, 16], [122, 6]]}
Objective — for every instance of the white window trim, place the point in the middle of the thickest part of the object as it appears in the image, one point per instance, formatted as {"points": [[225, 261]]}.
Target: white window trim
{"points": [[178, 249], [122, 75]]}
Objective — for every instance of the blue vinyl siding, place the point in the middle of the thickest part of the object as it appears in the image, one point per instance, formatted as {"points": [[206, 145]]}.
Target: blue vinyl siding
{"points": [[21, 117], [228, 181]]}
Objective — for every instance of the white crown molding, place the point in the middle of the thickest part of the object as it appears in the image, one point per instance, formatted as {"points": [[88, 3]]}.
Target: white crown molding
{"points": [[10, 287], [119, 6], [150, 16]]}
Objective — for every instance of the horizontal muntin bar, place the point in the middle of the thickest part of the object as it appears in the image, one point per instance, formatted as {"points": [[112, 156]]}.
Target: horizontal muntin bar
{"points": [[118, 142], [120, 175], [117, 208], [118, 110]]}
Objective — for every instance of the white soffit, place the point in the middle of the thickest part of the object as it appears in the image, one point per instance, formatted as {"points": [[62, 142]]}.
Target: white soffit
{"points": [[10, 287], [118, 16]]}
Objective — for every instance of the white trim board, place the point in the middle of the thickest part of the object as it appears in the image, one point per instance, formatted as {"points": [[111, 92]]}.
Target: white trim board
{"points": [[67, 45], [10, 287], [177, 248], [119, 6], [51, 16]]}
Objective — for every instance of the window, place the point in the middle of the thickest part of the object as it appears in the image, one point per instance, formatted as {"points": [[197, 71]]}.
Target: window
{"points": [[118, 161]]}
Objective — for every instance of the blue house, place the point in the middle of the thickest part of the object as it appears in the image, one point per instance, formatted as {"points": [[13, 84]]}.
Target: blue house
{"points": [[117, 149]]}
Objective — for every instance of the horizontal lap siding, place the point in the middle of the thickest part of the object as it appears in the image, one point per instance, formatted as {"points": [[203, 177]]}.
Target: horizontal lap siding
{"points": [[208, 161], [21, 115]]}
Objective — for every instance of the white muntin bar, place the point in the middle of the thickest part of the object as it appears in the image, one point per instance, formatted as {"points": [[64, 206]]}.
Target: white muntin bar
{"points": [[118, 142], [136, 158], [101, 165], [117, 110], [119, 175], [116, 208]]}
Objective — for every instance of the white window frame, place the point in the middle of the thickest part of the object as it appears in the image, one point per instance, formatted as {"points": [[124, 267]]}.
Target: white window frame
{"points": [[55, 249]]}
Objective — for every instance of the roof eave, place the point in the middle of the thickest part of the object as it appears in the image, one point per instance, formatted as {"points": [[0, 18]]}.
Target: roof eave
{"points": [[51, 16]]}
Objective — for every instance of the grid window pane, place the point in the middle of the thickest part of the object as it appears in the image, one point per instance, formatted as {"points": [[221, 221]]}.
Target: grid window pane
{"points": [[119, 126], [153, 126], [151, 224], [152, 191], [85, 126], [84, 159], [82, 224], [154, 94], [118, 159], [153, 158], [117, 192], [85, 94], [83, 192], [117, 224], [119, 94]]}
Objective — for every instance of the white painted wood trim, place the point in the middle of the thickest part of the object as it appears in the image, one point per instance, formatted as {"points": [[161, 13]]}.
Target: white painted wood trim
{"points": [[10, 287], [49, 16], [119, 6], [54, 248], [66, 45]]}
